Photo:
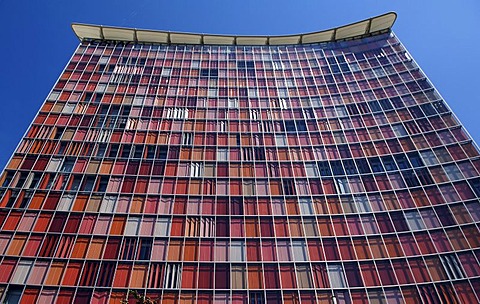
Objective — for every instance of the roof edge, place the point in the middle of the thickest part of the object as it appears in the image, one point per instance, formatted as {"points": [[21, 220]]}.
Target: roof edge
{"points": [[368, 27]]}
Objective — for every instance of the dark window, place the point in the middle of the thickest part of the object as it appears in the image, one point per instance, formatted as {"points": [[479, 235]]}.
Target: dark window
{"points": [[288, 187], [290, 126], [376, 164], [8, 179], [128, 249], [102, 184], [256, 298], [362, 166], [26, 199], [389, 163], [101, 150], [410, 178], [126, 151], [209, 72], [88, 96], [145, 249], [475, 184], [428, 109], [259, 153], [374, 106], [88, 183], [68, 165], [301, 126], [126, 110], [349, 166], [337, 168], [415, 159], [162, 152], [138, 151], [424, 176], [113, 150], [246, 65], [402, 161], [386, 104], [440, 106]]}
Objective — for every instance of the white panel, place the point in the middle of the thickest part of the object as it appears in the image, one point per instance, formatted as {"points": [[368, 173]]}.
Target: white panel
{"points": [[118, 34], [284, 40], [218, 40], [87, 31], [318, 37], [185, 38], [352, 30], [251, 40], [383, 22], [152, 36]]}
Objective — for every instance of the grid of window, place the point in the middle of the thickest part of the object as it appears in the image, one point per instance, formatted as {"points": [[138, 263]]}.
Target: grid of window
{"points": [[262, 174]]}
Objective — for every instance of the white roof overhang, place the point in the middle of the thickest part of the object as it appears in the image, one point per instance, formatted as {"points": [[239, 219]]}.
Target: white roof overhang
{"points": [[368, 27]]}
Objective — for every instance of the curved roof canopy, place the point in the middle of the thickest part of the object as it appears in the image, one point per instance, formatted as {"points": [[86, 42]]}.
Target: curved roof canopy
{"points": [[368, 27]]}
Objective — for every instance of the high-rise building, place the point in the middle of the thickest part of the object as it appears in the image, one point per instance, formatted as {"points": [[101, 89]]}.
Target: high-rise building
{"points": [[187, 168]]}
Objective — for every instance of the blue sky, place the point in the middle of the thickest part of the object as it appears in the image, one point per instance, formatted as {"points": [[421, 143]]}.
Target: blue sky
{"points": [[37, 41]]}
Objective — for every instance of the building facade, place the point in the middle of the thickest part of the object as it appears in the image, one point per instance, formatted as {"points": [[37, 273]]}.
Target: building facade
{"points": [[313, 168]]}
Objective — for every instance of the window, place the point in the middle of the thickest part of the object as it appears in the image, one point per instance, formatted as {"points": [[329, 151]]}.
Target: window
{"points": [[200, 227], [145, 249], [410, 178], [311, 170], [67, 165], [196, 169], [237, 251], [281, 140], [304, 279], [222, 154], [299, 249], [212, 92], [101, 150], [452, 266], [238, 279], [166, 72], [232, 103], [173, 273], [389, 163], [341, 111], [176, 113], [21, 273], [336, 276], [88, 183], [414, 220], [68, 108], [362, 204], [107, 205], [342, 185], [187, 139], [256, 298], [277, 65], [306, 207], [208, 72], [253, 114], [133, 225], [54, 164], [162, 227], [288, 187], [247, 154], [453, 173], [65, 202]]}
